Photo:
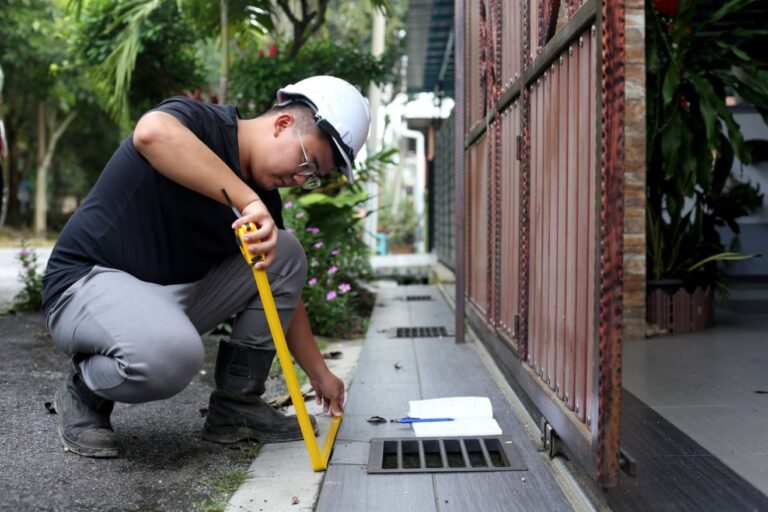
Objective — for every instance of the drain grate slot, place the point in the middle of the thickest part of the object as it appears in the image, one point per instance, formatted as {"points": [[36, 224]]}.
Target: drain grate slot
{"points": [[441, 455], [418, 298], [420, 332]]}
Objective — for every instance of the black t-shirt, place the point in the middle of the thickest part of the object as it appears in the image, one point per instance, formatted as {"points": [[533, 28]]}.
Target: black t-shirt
{"points": [[138, 221]]}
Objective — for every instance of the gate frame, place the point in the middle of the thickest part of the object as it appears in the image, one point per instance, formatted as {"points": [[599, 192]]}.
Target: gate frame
{"points": [[596, 447]]}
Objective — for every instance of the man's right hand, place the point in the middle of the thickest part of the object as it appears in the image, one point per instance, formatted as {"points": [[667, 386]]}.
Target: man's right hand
{"points": [[264, 239]]}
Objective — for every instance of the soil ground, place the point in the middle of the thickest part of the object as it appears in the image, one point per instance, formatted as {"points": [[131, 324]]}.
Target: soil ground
{"points": [[164, 464]]}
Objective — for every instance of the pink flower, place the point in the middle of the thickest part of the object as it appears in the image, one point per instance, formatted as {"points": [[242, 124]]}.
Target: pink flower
{"points": [[330, 295], [313, 230], [333, 270], [290, 230], [299, 214], [273, 50], [318, 244], [313, 281], [288, 204], [334, 252], [344, 287]]}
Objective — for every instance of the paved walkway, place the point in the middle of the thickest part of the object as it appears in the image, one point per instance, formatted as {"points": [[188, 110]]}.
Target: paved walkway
{"points": [[392, 371], [712, 385]]}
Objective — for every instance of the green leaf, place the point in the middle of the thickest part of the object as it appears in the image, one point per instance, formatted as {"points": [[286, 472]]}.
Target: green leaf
{"points": [[725, 10], [707, 105], [671, 82], [741, 54], [670, 144], [723, 256]]}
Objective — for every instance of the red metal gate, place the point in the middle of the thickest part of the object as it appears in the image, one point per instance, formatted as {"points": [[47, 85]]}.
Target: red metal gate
{"points": [[543, 207]]}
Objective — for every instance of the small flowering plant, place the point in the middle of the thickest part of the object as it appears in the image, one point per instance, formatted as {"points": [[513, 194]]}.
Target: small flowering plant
{"points": [[30, 298], [335, 258]]}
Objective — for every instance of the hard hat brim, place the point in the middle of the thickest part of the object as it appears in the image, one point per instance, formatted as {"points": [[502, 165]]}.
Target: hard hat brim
{"points": [[343, 163]]}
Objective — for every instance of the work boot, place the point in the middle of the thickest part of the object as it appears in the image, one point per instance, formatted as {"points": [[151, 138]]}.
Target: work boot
{"points": [[84, 425], [236, 411]]}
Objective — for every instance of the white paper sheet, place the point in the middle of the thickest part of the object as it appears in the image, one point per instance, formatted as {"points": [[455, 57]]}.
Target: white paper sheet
{"points": [[473, 416]]}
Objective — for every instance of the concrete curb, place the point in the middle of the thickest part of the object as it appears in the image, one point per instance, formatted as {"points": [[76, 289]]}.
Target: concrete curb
{"points": [[281, 478]]}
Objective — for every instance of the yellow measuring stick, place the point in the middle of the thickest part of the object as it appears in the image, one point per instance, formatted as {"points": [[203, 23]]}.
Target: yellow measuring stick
{"points": [[318, 459]]}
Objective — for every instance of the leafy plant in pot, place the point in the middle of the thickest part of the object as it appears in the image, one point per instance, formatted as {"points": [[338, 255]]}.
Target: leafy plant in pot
{"points": [[692, 139]]}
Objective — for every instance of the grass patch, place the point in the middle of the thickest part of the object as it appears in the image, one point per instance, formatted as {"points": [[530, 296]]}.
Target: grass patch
{"points": [[225, 483], [248, 452], [10, 237], [223, 486]]}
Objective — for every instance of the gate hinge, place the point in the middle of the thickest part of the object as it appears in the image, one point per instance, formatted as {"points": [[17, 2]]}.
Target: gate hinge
{"points": [[516, 332], [627, 463], [519, 147], [550, 441]]}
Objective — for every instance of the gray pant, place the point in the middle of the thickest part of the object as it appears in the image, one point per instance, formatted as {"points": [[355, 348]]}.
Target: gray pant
{"points": [[137, 341]]}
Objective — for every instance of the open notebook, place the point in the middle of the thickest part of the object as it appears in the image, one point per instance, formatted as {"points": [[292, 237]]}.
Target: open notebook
{"points": [[473, 416]]}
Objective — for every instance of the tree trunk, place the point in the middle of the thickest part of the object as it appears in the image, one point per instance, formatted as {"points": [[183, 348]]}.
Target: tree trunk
{"points": [[41, 181], [45, 154]]}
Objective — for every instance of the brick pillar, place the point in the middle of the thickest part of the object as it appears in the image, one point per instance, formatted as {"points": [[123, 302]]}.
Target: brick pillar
{"points": [[634, 172]]}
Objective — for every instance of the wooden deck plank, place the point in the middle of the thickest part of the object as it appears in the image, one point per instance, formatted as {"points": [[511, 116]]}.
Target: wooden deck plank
{"points": [[351, 452], [509, 491], [378, 399], [432, 367], [350, 488], [356, 428]]}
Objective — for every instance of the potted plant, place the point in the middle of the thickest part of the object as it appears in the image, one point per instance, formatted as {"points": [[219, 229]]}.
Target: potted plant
{"points": [[692, 138]]}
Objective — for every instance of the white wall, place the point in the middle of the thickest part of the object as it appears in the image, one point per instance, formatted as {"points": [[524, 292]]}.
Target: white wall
{"points": [[754, 228]]}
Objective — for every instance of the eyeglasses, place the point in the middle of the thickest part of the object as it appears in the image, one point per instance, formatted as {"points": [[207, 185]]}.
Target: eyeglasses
{"points": [[307, 169]]}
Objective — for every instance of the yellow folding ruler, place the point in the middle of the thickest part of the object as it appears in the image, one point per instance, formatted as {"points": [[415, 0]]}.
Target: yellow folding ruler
{"points": [[318, 459]]}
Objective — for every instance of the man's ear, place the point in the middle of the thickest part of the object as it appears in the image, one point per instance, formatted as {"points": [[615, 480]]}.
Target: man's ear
{"points": [[282, 122]]}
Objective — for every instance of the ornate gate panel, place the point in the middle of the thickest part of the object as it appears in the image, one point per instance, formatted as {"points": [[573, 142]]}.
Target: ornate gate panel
{"points": [[543, 205], [477, 227]]}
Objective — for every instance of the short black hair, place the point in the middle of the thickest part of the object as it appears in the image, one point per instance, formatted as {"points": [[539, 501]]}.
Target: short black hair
{"points": [[304, 118]]}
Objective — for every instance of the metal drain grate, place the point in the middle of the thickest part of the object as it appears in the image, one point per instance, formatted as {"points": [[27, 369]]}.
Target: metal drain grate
{"points": [[442, 455], [417, 298], [419, 332]]}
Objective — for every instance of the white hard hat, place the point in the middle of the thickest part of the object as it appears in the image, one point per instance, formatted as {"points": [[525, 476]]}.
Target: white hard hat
{"points": [[340, 111]]}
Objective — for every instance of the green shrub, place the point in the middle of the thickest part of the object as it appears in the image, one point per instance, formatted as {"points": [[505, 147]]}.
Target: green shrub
{"points": [[30, 298], [329, 230]]}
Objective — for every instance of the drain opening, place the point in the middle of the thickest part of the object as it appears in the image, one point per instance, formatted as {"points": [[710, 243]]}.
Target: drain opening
{"points": [[421, 332], [418, 298], [454, 454], [412, 455], [477, 457], [433, 457]]}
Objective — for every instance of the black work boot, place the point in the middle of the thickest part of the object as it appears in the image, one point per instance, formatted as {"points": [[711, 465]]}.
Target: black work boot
{"points": [[236, 411], [84, 425]]}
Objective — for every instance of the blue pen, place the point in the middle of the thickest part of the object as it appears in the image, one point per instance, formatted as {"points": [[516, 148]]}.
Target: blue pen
{"points": [[409, 419]]}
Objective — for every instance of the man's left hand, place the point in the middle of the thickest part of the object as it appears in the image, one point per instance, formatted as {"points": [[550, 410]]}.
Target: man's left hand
{"points": [[329, 391]]}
